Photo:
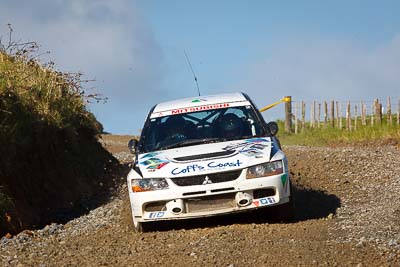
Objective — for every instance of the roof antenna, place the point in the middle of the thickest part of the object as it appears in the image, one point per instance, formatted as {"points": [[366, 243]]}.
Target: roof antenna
{"points": [[191, 68]]}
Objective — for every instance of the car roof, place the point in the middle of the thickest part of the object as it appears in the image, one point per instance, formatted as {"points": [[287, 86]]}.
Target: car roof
{"points": [[200, 101]]}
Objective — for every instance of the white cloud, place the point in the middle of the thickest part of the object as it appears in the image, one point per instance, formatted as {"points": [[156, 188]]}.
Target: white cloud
{"points": [[325, 70], [107, 40]]}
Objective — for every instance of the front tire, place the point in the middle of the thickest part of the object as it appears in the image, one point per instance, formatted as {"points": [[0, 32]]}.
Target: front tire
{"points": [[141, 227]]}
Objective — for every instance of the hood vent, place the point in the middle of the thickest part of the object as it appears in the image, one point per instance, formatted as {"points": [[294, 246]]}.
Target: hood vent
{"points": [[206, 156], [211, 178]]}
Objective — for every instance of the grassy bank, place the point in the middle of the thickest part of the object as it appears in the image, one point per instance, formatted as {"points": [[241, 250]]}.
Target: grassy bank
{"points": [[383, 133], [51, 162]]}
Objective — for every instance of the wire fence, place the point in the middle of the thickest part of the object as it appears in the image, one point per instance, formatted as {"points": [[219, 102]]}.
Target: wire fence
{"points": [[348, 115]]}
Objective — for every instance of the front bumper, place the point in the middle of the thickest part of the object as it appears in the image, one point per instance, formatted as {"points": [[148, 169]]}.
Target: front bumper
{"points": [[184, 202]]}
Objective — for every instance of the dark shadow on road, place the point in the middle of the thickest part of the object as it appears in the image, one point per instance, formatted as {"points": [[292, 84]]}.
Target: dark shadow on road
{"points": [[310, 204], [110, 182], [314, 204]]}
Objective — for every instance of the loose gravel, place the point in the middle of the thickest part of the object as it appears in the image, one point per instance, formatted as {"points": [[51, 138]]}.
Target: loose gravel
{"points": [[348, 214]]}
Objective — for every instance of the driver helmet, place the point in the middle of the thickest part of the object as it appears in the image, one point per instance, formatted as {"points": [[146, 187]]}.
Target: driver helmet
{"points": [[231, 126], [175, 126]]}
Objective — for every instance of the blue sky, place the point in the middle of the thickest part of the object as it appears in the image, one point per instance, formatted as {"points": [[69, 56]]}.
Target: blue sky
{"points": [[322, 50]]}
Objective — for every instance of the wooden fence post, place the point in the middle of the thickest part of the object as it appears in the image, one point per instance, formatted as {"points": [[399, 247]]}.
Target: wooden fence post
{"points": [[319, 115], [389, 112], [303, 115], [315, 114], [340, 116], [288, 114], [325, 113], [363, 114], [355, 117], [398, 112], [373, 109], [337, 115], [361, 111], [312, 115], [348, 117], [333, 114], [378, 111], [295, 118]]}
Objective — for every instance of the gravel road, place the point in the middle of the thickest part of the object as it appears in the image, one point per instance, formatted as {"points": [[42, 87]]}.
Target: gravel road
{"points": [[348, 214]]}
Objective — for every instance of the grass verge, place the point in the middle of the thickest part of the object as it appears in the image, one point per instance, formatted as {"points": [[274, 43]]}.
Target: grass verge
{"points": [[323, 136]]}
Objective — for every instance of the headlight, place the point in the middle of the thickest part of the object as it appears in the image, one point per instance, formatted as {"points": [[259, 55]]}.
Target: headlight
{"points": [[265, 169], [148, 184]]}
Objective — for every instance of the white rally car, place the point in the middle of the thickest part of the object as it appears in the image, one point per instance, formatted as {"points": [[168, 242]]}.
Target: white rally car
{"points": [[207, 156]]}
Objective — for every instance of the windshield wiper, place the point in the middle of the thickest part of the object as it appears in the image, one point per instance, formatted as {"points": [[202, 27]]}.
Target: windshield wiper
{"points": [[194, 142]]}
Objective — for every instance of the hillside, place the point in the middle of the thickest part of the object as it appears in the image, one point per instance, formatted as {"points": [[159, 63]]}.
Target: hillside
{"points": [[52, 162]]}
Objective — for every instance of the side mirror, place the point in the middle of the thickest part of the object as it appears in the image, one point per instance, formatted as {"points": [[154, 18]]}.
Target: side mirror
{"points": [[273, 127], [132, 144]]}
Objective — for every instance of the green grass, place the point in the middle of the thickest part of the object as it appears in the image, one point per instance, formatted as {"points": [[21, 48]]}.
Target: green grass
{"points": [[333, 136], [50, 96], [48, 137]]}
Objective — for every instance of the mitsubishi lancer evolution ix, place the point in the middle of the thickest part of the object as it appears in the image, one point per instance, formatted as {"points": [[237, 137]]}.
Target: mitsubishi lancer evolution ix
{"points": [[206, 156]]}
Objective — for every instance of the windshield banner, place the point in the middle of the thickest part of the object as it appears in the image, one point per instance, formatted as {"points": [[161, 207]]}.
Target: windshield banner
{"points": [[195, 109]]}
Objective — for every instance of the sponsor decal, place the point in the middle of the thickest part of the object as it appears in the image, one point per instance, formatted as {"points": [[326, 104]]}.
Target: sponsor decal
{"points": [[192, 168], [214, 164], [285, 183], [274, 150], [256, 143], [188, 169], [264, 201], [198, 100], [251, 152], [267, 200], [199, 108], [284, 179], [250, 148], [155, 215], [257, 140], [152, 162], [150, 155]]}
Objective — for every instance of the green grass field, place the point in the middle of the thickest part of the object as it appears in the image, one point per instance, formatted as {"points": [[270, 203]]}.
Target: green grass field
{"points": [[322, 136]]}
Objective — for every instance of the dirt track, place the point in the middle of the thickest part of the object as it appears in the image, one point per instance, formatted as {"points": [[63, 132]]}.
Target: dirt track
{"points": [[347, 215]]}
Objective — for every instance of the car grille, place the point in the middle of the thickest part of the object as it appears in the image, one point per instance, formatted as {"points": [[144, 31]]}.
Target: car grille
{"points": [[207, 179], [210, 203]]}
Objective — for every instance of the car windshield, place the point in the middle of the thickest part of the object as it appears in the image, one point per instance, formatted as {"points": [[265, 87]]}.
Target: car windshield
{"points": [[200, 127]]}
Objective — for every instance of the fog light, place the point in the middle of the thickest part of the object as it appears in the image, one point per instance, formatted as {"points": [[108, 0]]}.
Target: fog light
{"points": [[175, 206], [243, 199]]}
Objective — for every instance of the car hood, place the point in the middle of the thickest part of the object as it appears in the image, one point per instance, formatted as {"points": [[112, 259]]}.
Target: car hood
{"points": [[206, 158]]}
